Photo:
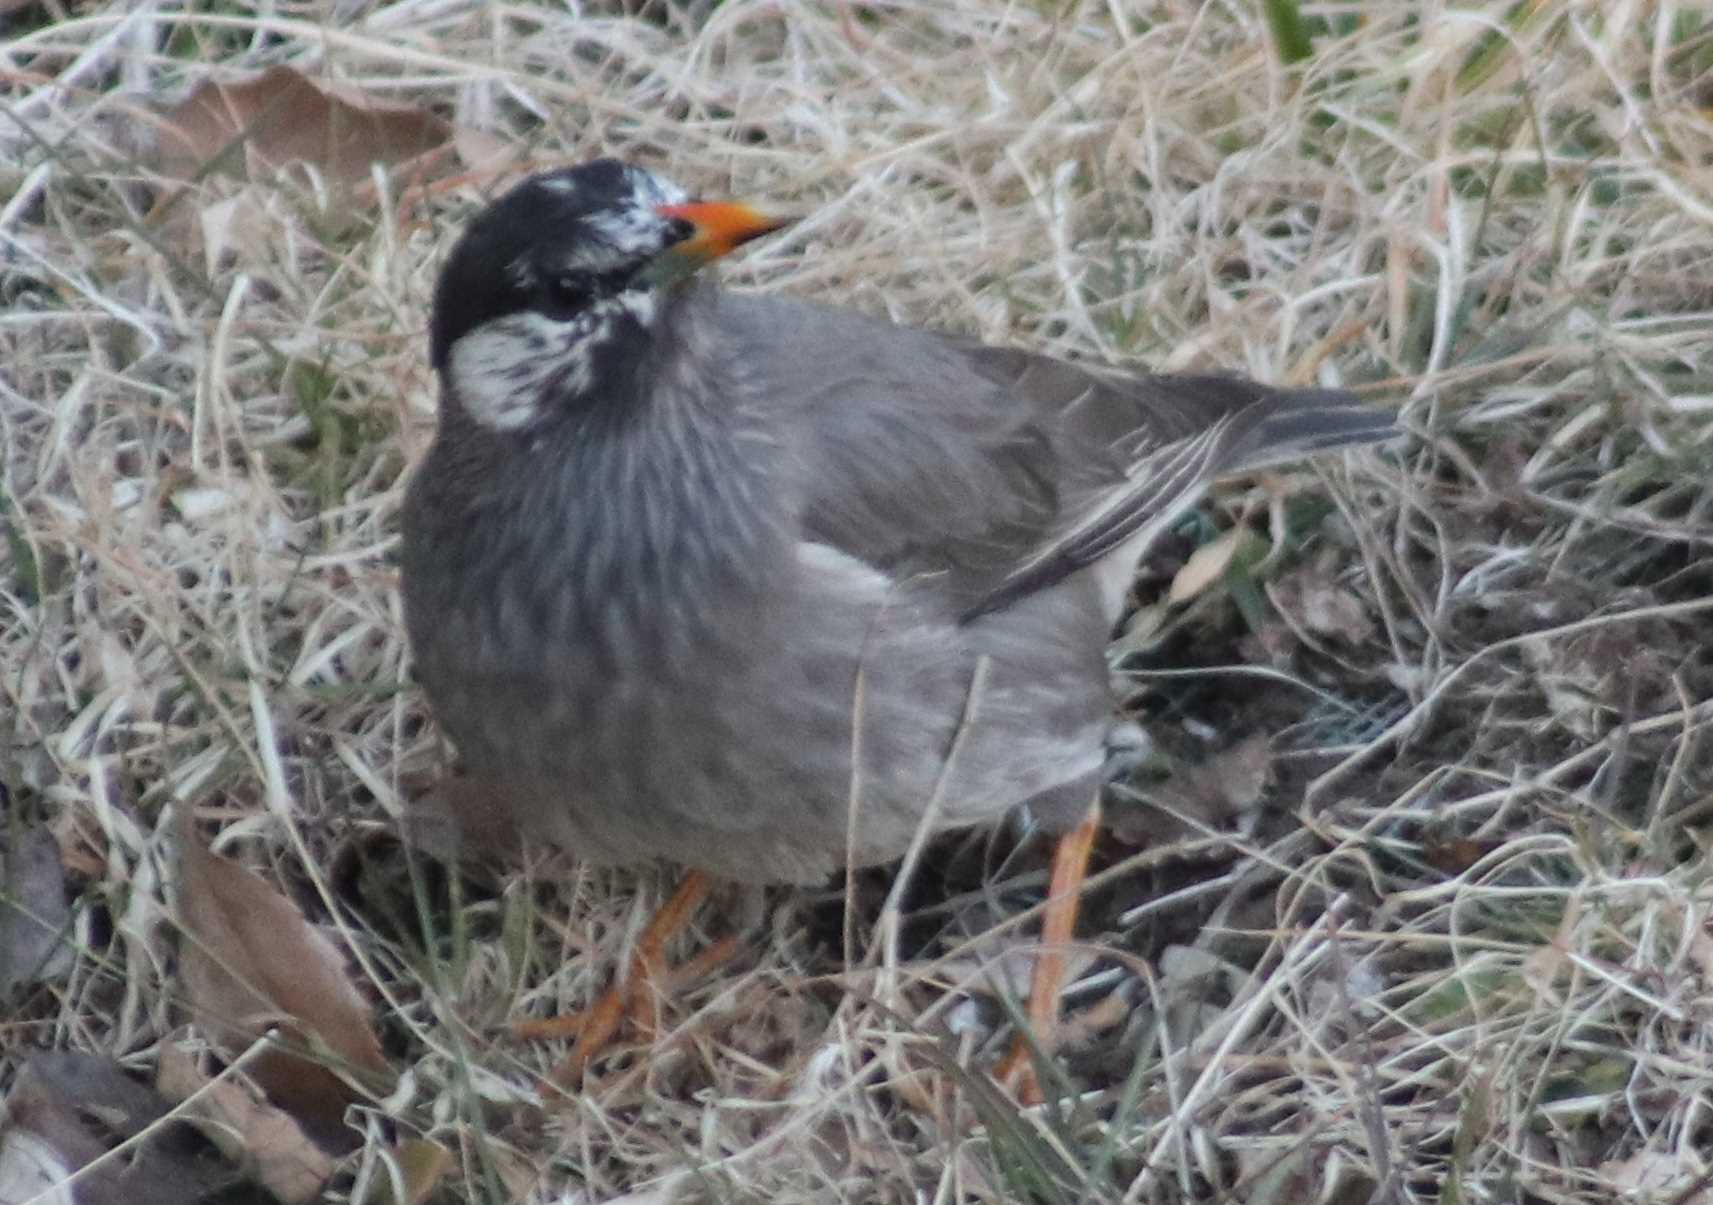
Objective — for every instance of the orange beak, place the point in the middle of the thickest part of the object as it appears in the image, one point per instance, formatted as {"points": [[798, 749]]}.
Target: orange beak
{"points": [[721, 227]]}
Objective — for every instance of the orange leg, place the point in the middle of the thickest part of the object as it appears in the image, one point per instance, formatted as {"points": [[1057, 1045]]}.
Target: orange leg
{"points": [[636, 993], [1046, 983]]}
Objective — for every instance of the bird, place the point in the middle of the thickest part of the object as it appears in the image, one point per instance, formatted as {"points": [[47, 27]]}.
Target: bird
{"points": [[762, 587]]}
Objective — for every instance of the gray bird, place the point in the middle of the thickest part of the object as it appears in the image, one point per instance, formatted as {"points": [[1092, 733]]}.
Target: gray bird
{"points": [[695, 575]]}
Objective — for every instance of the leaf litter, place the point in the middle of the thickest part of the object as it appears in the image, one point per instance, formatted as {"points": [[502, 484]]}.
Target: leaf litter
{"points": [[1480, 663]]}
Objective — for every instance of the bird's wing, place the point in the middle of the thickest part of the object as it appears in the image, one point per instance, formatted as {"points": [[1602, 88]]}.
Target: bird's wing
{"points": [[999, 470]]}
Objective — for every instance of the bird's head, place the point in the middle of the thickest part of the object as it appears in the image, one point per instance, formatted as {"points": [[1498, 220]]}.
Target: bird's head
{"points": [[558, 282]]}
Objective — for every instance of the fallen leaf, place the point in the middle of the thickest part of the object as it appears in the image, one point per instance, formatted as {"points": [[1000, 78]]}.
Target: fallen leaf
{"points": [[43, 1145], [1454, 855], [32, 1170], [1658, 1176], [1227, 786], [1206, 565], [242, 225], [126, 1106], [268, 1142], [1139, 632], [480, 150], [68, 1109], [251, 962], [283, 117], [1313, 596], [34, 915], [417, 1167]]}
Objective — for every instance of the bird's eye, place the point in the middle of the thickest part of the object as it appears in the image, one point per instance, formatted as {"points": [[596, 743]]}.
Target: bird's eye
{"points": [[566, 292], [677, 230]]}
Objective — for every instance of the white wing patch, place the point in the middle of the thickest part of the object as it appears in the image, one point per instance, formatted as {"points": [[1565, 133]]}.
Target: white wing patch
{"points": [[825, 561]]}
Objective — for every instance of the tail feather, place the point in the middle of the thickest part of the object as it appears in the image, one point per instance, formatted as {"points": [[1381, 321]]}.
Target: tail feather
{"points": [[1271, 427], [1297, 423]]}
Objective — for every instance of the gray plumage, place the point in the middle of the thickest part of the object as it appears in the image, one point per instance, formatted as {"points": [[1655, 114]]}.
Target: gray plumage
{"points": [[652, 587]]}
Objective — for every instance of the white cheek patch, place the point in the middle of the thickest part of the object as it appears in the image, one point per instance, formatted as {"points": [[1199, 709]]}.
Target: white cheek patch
{"points": [[507, 372]]}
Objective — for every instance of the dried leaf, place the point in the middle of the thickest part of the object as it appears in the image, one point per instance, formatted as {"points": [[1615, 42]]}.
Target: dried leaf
{"points": [[43, 1144], [251, 962], [1140, 631], [284, 118], [1206, 565], [32, 1170], [1227, 786], [1658, 1176], [68, 1109], [126, 1106], [1232, 780], [1334, 611], [421, 1165], [1313, 596], [1454, 855], [1331, 610], [34, 915], [239, 224], [480, 150], [269, 1142]]}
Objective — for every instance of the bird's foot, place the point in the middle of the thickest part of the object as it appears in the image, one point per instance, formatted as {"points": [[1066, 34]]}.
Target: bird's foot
{"points": [[636, 996]]}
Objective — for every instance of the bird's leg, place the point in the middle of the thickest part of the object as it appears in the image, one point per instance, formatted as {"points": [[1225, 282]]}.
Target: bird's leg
{"points": [[648, 965], [636, 994], [1046, 983]]}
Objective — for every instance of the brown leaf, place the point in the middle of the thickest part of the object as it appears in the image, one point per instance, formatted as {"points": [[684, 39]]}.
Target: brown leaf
{"points": [[1677, 1176], [67, 1109], [1454, 855], [284, 117], [44, 1143], [251, 962], [1314, 597], [421, 1166], [1225, 787], [31, 1169], [267, 1141]]}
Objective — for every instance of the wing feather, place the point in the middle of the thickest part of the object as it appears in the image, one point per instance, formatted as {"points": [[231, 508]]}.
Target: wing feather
{"points": [[997, 471]]}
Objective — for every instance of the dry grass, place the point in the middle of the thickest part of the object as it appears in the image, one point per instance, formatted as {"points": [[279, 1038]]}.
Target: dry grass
{"points": [[1464, 949]]}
